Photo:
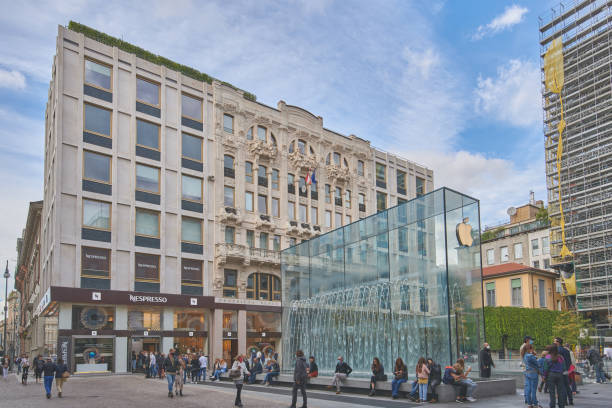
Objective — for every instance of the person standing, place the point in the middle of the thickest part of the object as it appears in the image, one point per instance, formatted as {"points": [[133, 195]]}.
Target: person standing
{"points": [[554, 366], [60, 377], [195, 368], [300, 376], [152, 365], [180, 377], [378, 374], [400, 375], [133, 361], [25, 367], [567, 360], [435, 378], [48, 371], [343, 370], [526, 341], [422, 372], [596, 362], [237, 373], [531, 377], [203, 363], [5, 368], [170, 367], [38, 366], [485, 361]]}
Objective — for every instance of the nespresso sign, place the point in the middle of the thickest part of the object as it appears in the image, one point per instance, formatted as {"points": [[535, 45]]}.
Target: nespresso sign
{"points": [[148, 299]]}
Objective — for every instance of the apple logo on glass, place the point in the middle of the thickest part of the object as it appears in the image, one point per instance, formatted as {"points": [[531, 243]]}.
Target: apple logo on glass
{"points": [[464, 233]]}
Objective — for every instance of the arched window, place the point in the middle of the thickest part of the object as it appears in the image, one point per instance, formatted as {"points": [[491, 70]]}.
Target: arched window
{"points": [[328, 159], [301, 146], [249, 134], [263, 286], [264, 134], [292, 147]]}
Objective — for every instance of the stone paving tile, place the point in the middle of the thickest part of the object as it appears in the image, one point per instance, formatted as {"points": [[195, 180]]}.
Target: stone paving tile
{"points": [[118, 391]]}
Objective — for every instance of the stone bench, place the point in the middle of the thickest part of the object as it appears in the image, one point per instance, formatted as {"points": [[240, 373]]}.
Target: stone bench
{"points": [[446, 393]]}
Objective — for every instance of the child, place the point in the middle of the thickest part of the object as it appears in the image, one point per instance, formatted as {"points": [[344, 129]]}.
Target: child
{"points": [[422, 372], [541, 369]]}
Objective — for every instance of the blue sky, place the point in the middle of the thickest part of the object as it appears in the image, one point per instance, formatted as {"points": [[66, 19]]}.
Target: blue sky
{"points": [[453, 85]]}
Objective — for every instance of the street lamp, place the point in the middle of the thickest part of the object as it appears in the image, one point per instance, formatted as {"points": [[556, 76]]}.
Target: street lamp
{"points": [[6, 276]]}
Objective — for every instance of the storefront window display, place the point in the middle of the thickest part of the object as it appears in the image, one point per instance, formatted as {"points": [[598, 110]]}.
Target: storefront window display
{"points": [[141, 318], [189, 320], [92, 317], [263, 322], [94, 354]]}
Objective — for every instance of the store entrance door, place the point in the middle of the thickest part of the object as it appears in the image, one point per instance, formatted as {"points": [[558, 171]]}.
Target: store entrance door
{"points": [[230, 350], [141, 346]]}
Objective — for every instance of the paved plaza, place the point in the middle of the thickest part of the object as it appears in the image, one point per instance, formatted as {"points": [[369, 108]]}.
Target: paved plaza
{"points": [[117, 391]]}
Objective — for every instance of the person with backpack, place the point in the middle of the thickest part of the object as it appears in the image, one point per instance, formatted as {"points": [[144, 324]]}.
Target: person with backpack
{"points": [[435, 379], [400, 376], [554, 366], [170, 366], [378, 374], [343, 370], [531, 377], [567, 361], [38, 366], [237, 373], [452, 377], [61, 376], [300, 375]]}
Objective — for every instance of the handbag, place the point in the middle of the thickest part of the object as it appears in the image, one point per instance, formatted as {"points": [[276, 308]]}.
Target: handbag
{"points": [[65, 374], [234, 373]]}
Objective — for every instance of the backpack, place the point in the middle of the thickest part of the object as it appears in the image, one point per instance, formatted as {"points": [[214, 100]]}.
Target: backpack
{"points": [[448, 378]]}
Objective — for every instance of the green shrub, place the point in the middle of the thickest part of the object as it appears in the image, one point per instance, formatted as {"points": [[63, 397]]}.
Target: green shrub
{"points": [[149, 56], [518, 322]]}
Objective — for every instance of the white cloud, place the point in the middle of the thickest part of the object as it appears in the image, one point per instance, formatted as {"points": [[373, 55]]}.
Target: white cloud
{"points": [[12, 79], [513, 96], [511, 16], [497, 183]]}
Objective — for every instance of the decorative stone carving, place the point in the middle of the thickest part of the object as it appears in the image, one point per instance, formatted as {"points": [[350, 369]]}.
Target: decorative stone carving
{"points": [[229, 215], [264, 224], [225, 252], [259, 148], [338, 174], [302, 162]]}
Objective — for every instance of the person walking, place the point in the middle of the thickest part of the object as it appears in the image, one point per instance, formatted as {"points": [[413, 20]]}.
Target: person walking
{"points": [[422, 372], [48, 371], [147, 365], [567, 360], [596, 362], [153, 365], [554, 366], [25, 368], [435, 379], [485, 361], [61, 375], [300, 375], [378, 374], [133, 361], [195, 368], [170, 367], [531, 377], [400, 375], [237, 373], [179, 381], [343, 370], [38, 366]]}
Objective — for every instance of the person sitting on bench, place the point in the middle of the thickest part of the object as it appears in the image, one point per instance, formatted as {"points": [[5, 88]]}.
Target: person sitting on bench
{"points": [[452, 377]]}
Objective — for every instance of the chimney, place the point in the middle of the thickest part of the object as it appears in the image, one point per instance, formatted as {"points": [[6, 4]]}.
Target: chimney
{"points": [[532, 198]]}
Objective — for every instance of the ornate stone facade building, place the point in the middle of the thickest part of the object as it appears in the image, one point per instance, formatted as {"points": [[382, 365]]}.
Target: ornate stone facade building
{"points": [[168, 198]]}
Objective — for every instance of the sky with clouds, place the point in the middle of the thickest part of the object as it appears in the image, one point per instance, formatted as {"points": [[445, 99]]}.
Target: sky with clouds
{"points": [[453, 85]]}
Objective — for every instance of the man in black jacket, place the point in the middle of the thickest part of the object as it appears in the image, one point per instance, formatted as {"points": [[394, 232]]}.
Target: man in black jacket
{"points": [[299, 378], [170, 366], [485, 361], [563, 352], [435, 378], [341, 374]]}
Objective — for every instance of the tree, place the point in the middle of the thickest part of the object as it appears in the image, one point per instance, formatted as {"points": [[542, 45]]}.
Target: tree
{"points": [[569, 325], [542, 214]]}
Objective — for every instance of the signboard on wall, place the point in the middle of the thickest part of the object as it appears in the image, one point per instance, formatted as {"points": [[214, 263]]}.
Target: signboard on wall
{"points": [[95, 261], [147, 266], [191, 271], [64, 350]]}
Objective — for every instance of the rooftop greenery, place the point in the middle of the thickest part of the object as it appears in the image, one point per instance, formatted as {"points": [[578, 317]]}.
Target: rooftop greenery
{"points": [[149, 56]]}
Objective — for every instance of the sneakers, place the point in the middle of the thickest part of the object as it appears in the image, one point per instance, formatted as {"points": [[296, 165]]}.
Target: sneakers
{"points": [[459, 401], [170, 394], [471, 399], [59, 394]]}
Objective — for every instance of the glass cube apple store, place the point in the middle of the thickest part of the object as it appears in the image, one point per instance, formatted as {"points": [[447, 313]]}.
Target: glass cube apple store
{"points": [[405, 282]]}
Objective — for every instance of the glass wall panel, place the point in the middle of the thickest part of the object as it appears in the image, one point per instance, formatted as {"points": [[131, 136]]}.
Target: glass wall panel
{"points": [[380, 287]]}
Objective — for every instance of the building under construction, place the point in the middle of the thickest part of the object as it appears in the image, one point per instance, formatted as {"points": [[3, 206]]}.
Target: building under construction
{"points": [[575, 40]]}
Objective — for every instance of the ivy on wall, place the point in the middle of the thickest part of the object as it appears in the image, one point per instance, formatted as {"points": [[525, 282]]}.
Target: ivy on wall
{"points": [[518, 322], [149, 56]]}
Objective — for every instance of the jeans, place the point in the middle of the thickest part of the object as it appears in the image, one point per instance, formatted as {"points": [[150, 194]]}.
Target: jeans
{"points": [[556, 384], [568, 389], [531, 389], [202, 374], [423, 391], [154, 370], [294, 391], [253, 376], [414, 392], [48, 382], [269, 376], [433, 384], [217, 373], [471, 386], [170, 378], [599, 373], [395, 386], [133, 365], [238, 401], [339, 378]]}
